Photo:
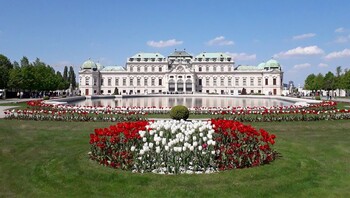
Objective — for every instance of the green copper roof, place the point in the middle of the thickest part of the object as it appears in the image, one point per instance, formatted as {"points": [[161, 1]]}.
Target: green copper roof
{"points": [[272, 64], [113, 68], [99, 66], [180, 53], [89, 64], [148, 55], [261, 65], [248, 67], [212, 55]]}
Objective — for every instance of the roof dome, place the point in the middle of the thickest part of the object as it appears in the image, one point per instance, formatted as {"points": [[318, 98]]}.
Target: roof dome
{"points": [[89, 64], [261, 65], [273, 64], [99, 66]]}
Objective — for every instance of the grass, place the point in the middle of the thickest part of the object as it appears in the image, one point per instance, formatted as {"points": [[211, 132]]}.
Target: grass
{"points": [[49, 159]]}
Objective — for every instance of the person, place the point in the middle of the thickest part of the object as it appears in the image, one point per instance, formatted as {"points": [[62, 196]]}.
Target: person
{"points": [[327, 95], [17, 94]]}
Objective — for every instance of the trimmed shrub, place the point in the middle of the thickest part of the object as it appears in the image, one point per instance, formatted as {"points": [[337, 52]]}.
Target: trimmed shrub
{"points": [[46, 98], [179, 112], [317, 98]]}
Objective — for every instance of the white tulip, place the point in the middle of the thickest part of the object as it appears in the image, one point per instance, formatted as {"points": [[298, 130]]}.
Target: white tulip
{"points": [[191, 148], [195, 144], [205, 139], [166, 148], [200, 148], [132, 148], [144, 139], [150, 145], [213, 152], [142, 152]]}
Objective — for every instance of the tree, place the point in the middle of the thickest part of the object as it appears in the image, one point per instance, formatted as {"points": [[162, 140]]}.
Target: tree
{"points": [[5, 68], [24, 62], [346, 80], [318, 82], [65, 73], [310, 82], [72, 77], [338, 79], [329, 81]]}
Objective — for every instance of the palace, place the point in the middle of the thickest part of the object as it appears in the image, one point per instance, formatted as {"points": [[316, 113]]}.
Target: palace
{"points": [[180, 72]]}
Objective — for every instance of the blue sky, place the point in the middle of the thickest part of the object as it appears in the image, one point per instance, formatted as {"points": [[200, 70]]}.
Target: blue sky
{"points": [[304, 36]]}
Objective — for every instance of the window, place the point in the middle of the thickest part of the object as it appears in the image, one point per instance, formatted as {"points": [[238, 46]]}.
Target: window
{"points": [[116, 81], [222, 68], [207, 81], [131, 69], [207, 68], [259, 91], [124, 81], [131, 81], [152, 69], [152, 82], [251, 81], [160, 82], [101, 81], [200, 82], [138, 69], [87, 80], [274, 81], [160, 69], [259, 81], [200, 69], [145, 81], [109, 91], [109, 81], [244, 81], [229, 82], [146, 69], [222, 81], [138, 82], [236, 81], [251, 91], [214, 82], [214, 68], [266, 81]]}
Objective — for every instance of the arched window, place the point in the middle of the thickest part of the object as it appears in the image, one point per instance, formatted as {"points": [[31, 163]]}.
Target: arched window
{"points": [[171, 85], [188, 85]]}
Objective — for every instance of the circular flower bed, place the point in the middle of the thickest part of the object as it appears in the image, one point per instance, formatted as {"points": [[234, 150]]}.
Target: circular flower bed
{"points": [[173, 147]]}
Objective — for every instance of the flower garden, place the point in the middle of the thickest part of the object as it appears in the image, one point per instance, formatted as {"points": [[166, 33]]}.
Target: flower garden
{"points": [[173, 147], [38, 110]]}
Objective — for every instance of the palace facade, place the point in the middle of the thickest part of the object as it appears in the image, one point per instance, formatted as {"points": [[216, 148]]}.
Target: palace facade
{"points": [[180, 72]]}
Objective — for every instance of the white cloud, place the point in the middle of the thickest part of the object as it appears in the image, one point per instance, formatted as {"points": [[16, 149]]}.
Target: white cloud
{"points": [[300, 51], [302, 66], [323, 65], [242, 56], [220, 40], [339, 54], [339, 30], [342, 39], [304, 36], [160, 44]]}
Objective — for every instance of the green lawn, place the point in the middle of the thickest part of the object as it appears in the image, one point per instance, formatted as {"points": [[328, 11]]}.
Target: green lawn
{"points": [[49, 159]]}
